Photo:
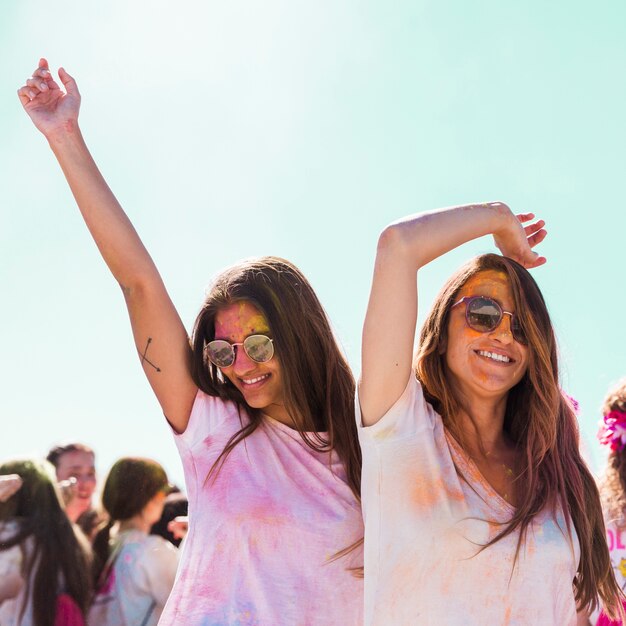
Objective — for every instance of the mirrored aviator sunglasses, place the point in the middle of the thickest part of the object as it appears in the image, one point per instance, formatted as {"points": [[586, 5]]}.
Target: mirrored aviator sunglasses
{"points": [[484, 315], [221, 353]]}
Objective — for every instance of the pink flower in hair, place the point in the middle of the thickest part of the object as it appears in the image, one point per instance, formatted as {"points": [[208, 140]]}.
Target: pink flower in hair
{"points": [[613, 430]]}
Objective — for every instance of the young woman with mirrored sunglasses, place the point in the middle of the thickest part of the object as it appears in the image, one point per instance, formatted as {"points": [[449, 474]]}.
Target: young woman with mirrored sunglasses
{"points": [[479, 508], [264, 427]]}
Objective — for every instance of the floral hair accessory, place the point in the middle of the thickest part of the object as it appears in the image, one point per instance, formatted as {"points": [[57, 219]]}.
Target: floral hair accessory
{"points": [[613, 430]]}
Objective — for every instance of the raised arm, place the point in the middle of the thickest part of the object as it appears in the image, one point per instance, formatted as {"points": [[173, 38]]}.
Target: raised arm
{"points": [[403, 248], [160, 337]]}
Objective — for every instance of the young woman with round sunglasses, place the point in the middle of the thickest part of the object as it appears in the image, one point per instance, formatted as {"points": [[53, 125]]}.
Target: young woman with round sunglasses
{"points": [[478, 507], [261, 401]]}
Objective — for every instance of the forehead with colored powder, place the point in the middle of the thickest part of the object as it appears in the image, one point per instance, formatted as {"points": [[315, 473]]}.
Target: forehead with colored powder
{"points": [[491, 283], [239, 320]]}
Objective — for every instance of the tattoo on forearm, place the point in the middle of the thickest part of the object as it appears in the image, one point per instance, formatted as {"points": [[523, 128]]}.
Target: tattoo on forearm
{"points": [[144, 358]]}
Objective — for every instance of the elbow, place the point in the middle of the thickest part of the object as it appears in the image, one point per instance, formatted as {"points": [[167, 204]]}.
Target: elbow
{"points": [[391, 239], [400, 241]]}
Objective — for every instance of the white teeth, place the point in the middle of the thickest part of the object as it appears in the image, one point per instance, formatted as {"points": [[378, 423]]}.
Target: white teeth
{"points": [[251, 381], [494, 356]]}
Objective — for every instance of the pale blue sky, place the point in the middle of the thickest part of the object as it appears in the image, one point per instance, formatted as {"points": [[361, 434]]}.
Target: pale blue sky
{"points": [[299, 129]]}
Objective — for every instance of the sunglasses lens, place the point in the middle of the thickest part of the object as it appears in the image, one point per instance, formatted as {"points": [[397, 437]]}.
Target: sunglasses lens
{"points": [[518, 331], [259, 348], [220, 353], [483, 314]]}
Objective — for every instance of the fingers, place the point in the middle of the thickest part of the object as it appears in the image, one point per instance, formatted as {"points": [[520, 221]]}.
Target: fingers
{"points": [[37, 84], [68, 82], [25, 95], [537, 238], [42, 81], [31, 90], [525, 217], [533, 228], [9, 485]]}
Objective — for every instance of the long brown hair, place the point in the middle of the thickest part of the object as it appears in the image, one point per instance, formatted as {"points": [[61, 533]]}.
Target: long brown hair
{"points": [[59, 551], [613, 483], [131, 483], [538, 419], [318, 386]]}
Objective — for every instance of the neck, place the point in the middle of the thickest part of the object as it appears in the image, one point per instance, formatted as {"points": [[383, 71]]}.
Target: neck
{"points": [[280, 414], [482, 422], [134, 523], [73, 512]]}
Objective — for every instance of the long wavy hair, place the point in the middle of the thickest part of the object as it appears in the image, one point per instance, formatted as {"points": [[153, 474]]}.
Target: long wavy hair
{"points": [[538, 419], [613, 482], [318, 386], [131, 483], [59, 551]]}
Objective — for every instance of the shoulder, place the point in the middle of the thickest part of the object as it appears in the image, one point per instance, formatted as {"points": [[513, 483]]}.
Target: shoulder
{"points": [[410, 414], [208, 415]]}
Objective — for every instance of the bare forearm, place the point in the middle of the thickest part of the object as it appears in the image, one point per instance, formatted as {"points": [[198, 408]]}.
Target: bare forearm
{"points": [[426, 236], [115, 236]]}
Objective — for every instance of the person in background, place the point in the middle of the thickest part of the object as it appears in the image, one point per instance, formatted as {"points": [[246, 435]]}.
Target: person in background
{"points": [[612, 433], [44, 561], [75, 466], [133, 571], [174, 521]]}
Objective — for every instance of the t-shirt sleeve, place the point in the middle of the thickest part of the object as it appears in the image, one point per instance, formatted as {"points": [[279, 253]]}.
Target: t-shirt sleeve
{"points": [[160, 564], [207, 413], [410, 415]]}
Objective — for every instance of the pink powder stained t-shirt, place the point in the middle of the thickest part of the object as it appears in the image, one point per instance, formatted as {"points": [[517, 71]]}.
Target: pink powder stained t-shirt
{"points": [[262, 535], [424, 525]]}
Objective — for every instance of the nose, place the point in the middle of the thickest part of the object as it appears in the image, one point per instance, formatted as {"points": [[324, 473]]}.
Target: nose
{"points": [[242, 363], [503, 330]]}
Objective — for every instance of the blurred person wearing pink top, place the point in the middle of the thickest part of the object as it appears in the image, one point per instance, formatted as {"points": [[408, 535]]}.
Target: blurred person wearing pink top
{"points": [[612, 433], [261, 403]]}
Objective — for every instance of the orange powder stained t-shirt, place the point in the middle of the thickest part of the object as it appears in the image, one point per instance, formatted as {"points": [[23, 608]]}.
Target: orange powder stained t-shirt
{"points": [[424, 525]]}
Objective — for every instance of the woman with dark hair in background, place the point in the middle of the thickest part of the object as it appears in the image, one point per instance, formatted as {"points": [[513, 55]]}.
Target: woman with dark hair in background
{"points": [[478, 507], [612, 433], [133, 571], [75, 466], [262, 407], [44, 561]]}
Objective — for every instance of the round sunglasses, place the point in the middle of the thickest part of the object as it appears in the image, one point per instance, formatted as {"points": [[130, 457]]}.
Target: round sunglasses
{"points": [[484, 315], [259, 348]]}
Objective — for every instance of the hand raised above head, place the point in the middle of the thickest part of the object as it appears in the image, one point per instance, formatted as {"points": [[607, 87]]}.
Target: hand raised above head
{"points": [[9, 485], [517, 241], [51, 108]]}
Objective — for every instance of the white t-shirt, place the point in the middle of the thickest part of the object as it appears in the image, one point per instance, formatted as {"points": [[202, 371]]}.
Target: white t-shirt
{"points": [[262, 534], [616, 540], [139, 583], [424, 525], [11, 565]]}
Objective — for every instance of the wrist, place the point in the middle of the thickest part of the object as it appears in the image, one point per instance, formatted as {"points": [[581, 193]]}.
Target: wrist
{"points": [[67, 133], [503, 217]]}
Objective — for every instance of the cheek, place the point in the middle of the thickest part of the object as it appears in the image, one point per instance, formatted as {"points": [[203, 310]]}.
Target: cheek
{"points": [[227, 373]]}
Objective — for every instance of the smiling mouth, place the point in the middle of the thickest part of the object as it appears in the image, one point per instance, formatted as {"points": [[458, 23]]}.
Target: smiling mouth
{"points": [[494, 356], [254, 381]]}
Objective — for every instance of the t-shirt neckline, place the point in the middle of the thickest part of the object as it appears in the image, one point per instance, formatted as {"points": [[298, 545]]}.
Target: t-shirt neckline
{"points": [[470, 471]]}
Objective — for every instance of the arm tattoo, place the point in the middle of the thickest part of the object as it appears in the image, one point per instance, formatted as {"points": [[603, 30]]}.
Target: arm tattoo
{"points": [[144, 359]]}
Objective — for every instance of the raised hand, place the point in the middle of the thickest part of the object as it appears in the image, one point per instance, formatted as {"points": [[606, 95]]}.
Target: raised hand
{"points": [[51, 108], [517, 241], [9, 485]]}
